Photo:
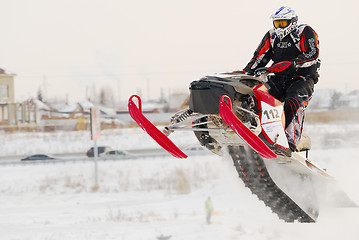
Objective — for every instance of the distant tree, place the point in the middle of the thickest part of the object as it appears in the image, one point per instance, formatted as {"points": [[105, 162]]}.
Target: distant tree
{"points": [[335, 100], [102, 97], [39, 95], [107, 96]]}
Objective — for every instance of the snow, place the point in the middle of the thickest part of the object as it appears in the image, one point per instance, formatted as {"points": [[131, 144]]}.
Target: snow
{"points": [[155, 196], [41, 105]]}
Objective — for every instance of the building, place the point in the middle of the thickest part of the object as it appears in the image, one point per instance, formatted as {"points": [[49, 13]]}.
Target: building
{"points": [[7, 98], [12, 114], [6, 87]]}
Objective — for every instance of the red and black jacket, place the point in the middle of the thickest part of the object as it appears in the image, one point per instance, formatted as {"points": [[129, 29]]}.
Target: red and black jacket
{"points": [[300, 46]]}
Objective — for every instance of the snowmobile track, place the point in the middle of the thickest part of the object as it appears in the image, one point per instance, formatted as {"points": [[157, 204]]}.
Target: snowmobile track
{"points": [[253, 172]]}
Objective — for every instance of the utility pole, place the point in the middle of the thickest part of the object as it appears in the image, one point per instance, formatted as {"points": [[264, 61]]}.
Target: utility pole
{"points": [[44, 94], [148, 88], [95, 134]]}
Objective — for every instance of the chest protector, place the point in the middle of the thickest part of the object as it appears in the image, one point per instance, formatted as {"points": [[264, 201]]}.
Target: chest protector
{"points": [[290, 47]]}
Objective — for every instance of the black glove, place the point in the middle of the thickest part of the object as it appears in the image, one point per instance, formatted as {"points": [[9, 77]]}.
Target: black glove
{"points": [[260, 71]]}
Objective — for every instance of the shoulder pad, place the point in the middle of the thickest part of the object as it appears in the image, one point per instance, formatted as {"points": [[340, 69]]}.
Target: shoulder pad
{"points": [[272, 36], [301, 28]]}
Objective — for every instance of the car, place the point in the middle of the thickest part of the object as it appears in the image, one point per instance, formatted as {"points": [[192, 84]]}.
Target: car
{"points": [[115, 153], [38, 157], [196, 150], [100, 150]]}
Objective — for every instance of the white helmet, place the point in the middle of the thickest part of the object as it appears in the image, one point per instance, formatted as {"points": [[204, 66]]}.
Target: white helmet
{"points": [[284, 21]]}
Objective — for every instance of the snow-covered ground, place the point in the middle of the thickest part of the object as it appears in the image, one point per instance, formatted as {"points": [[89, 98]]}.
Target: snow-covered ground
{"points": [[152, 197]]}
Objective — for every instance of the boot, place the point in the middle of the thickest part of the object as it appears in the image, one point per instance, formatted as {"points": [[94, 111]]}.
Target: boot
{"points": [[304, 144]]}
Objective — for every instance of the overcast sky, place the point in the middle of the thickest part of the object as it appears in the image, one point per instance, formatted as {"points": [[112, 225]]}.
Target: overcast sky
{"points": [[71, 47]]}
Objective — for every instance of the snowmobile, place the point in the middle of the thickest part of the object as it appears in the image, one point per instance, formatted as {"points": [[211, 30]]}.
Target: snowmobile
{"points": [[232, 114]]}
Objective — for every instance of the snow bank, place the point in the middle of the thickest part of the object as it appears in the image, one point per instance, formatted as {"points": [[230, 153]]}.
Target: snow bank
{"points": [[152, 197]]}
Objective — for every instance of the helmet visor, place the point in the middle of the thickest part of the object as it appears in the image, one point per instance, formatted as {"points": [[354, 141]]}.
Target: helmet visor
{"points": [[281, 23]]}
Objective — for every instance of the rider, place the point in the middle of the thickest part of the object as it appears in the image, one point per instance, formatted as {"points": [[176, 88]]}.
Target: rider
{"points": [[288, 41]]}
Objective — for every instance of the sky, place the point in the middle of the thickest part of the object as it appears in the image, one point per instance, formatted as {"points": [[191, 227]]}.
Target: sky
{"points": [[74, 48]]}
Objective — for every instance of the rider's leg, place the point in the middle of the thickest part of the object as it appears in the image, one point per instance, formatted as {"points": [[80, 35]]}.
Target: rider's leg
{"points": [[277, 87], [296, 100]]}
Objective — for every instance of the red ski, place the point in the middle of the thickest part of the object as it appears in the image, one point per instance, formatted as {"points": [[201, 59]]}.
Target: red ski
{"points": [[242, 130], [147, 126]]}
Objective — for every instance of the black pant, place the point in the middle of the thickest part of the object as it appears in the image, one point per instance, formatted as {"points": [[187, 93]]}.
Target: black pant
{"points": [[295, 92]]}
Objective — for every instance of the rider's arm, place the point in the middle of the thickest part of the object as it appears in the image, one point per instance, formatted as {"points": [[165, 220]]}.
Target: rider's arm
{"points": [[309, 46], [261, 56]]}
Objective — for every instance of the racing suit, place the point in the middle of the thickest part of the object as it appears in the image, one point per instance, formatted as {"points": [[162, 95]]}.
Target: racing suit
{"points": [[294, 86]]}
